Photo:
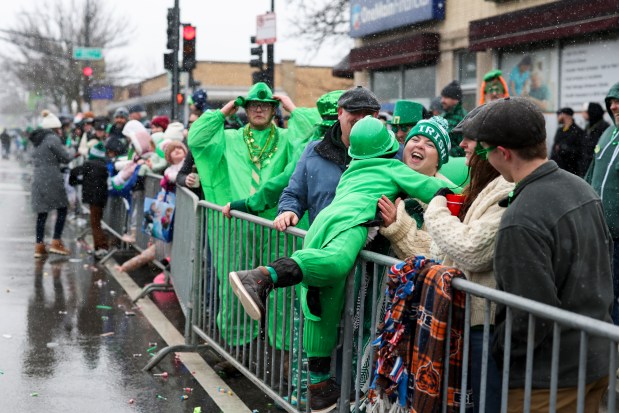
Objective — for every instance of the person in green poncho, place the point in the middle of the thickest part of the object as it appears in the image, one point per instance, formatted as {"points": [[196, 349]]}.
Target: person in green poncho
{"points": [[234, 164], [332, 244]]}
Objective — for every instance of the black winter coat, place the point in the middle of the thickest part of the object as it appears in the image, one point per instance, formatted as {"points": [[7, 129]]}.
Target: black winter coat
{"points": [[92, 175]]}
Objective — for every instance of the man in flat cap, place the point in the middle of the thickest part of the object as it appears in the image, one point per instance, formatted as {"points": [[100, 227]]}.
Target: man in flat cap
{"points": [[552, 236]]}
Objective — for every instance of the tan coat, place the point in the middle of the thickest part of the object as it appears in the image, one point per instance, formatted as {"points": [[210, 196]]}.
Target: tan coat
{"points": [[467, 245]]}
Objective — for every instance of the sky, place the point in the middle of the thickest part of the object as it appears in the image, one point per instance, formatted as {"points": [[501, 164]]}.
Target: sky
{"points": [[223, 31]]}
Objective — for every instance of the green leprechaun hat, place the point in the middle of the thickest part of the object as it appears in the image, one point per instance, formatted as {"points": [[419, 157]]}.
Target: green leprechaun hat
{"points": [[260, 92], [406, 112], [327, 107]]}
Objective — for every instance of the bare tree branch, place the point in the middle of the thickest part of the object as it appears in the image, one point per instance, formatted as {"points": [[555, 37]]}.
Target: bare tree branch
{"points": [[321, 23], [43, 38]]}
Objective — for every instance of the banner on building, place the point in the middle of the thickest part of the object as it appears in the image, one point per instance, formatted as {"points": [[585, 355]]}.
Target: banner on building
{"points": [[375, 16]]}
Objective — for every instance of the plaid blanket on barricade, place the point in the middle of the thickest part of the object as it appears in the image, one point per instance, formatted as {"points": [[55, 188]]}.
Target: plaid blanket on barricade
{"points": [[410, 347]]}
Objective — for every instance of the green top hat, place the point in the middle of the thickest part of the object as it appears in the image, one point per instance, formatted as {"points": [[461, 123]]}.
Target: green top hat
{"points": [[406, 112], [259, 92], [327, 107]]}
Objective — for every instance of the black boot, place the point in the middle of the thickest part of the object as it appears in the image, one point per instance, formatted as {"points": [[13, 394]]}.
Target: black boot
{"points": [[288, 272], [252, 287]]}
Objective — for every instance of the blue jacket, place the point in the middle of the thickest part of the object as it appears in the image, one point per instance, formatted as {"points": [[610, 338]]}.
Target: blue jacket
{"points": [[313, 182], [317, 174]]}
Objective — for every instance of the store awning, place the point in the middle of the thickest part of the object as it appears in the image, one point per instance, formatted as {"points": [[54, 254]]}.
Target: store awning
{"points": [[556, 20], [342, 69], [420, 49]]}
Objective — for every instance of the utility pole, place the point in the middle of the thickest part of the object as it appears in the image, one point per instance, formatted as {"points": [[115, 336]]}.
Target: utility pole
{"points": [[87, 22], [271, 57], [175, 72]]}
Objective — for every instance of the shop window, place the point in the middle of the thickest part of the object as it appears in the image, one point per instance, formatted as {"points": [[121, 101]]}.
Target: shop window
{"points": [[420, 84], [466, 68], [466, 72], [416, 84], [534, 74], [386, 85]]}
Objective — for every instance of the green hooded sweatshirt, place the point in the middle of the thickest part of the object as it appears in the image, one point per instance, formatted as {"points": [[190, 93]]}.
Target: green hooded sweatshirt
{"points": [[603, 173]]}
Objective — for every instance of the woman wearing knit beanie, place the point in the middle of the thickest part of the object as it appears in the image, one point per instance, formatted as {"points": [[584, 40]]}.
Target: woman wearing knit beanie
{"points": [[48, 191], [465, 241]]}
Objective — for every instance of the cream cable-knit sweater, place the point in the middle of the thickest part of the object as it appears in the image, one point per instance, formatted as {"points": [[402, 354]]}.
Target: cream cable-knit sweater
{"points": [[467, 245]]}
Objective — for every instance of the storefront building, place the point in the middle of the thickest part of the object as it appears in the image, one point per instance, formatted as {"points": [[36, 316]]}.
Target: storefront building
{"points": [[410, 49]]}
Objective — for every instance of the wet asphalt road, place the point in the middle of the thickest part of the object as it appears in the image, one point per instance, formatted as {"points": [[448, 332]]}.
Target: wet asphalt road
{"points": [[67, 343]]}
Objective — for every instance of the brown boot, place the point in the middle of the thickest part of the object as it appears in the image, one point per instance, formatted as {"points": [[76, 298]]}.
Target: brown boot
{"points": [[252, 287], [57, 247], [40, 250]]}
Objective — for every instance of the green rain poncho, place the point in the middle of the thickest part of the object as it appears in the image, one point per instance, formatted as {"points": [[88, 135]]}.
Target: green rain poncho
{"points": [[225, 164]]}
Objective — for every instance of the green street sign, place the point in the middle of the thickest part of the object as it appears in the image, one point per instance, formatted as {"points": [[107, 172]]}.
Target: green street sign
{"points": [[87, 53]]}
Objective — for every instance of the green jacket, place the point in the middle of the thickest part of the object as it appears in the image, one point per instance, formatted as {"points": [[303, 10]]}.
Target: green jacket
{"points": [[225, 169], [358, 192], [454, 116], [603, 173]]}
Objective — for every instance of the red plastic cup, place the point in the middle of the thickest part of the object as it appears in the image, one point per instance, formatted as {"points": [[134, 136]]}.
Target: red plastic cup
{"points": [[454, 203]]}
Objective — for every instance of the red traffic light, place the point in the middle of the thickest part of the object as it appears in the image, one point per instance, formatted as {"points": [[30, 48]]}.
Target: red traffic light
{"points": [[180, 98], [87, 71], [189, 32]]}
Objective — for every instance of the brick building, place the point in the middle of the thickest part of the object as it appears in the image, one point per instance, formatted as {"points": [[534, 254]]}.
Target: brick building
{"points": [[224, 81]]}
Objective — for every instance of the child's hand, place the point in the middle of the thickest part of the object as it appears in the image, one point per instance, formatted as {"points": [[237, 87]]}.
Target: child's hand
{"points": [[388, 210]]}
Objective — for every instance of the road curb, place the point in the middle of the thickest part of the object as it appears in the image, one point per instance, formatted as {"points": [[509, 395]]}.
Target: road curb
{"points": [[203, 373]]}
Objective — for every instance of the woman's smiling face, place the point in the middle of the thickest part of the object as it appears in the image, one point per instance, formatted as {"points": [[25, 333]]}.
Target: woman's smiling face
{"points": [[421, 155]]}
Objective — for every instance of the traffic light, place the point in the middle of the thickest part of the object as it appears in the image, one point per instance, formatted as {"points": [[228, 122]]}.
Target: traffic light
{"points": [[168, 61], [189, 47], [256, 51], [87, 71], [180, 98], [172, 29]]}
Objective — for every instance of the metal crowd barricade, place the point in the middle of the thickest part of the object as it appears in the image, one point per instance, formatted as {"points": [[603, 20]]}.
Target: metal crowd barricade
{"points": [[268, 359]]}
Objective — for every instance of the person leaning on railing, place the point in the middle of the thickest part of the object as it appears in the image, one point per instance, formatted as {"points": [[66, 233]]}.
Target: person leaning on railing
{"points": [[465, 241], [553, 246], [331, 247]]}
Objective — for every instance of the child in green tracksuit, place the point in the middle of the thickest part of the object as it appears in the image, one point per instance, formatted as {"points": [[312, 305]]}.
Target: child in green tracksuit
{"points": [[332, 244]]}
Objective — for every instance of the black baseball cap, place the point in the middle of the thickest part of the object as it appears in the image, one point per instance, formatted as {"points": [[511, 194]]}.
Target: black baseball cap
{"points": [[567, 111]]}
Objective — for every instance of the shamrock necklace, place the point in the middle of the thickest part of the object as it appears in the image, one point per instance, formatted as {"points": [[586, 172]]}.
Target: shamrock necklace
{"points": [[257, 154]]}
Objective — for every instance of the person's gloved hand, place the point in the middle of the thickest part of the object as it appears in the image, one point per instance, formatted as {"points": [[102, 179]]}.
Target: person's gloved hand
{"points": [[443, 192]]}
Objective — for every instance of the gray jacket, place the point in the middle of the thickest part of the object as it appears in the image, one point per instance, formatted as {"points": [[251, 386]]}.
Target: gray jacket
{"points": [[48, 153], [553, 246]]}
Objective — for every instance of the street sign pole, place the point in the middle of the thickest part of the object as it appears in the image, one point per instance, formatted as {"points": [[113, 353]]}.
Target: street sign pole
{"points": [[175, 73]]}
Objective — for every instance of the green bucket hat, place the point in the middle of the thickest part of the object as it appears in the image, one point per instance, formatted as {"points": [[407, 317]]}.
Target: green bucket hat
{"points": [[327, 107], [406, 112], [434, 129], [260, 92], [369, 138]]}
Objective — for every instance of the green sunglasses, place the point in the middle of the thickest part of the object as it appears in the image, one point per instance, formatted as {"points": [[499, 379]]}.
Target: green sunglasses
{"points": [[483, 152], [403, 128]]}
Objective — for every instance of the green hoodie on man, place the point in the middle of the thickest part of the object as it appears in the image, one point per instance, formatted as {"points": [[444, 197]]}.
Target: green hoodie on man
{"points": [[603, 173]]}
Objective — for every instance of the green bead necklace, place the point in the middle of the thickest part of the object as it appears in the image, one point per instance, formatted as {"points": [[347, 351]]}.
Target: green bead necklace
{"points": [[257, 154]]}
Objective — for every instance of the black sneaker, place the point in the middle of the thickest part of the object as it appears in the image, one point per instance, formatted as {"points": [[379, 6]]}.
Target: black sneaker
{"points": [[323, 396], [252, 287]]}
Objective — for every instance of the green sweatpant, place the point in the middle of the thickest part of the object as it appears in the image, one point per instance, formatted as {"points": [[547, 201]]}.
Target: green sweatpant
{"points": [[327, 268]]}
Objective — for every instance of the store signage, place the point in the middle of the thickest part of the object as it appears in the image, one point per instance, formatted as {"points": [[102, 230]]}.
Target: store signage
{"points": [[587, 72], [375, 16]]}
